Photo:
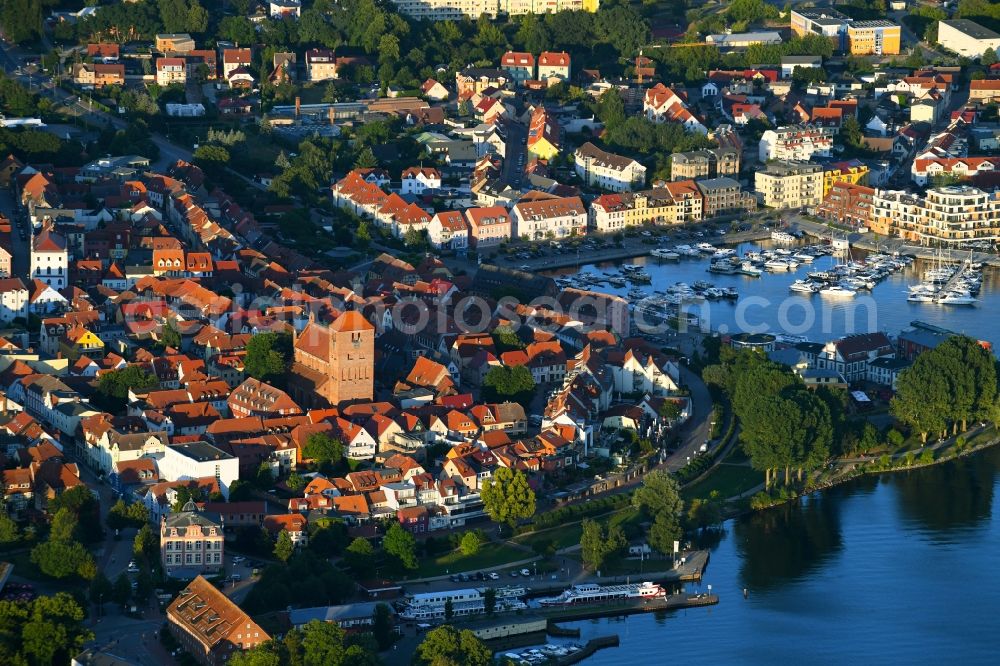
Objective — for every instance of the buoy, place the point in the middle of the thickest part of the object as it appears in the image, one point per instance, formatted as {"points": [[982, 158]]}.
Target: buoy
{"points": [[745, 593]]}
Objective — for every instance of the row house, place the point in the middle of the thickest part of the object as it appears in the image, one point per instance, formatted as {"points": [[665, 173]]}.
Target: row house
{"points": [[488, 226], [98, 75], [417, 180], [705, 163], [607, 171], [448, 230], [538, 215], [927, 169], [848, 204], [676, 202]]}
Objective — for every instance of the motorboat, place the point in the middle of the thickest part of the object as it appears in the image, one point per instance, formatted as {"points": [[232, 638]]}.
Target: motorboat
{"points": [[838, 291], [748, 269], [957, 298], [722, 267], [778, 265], [803, 287]]}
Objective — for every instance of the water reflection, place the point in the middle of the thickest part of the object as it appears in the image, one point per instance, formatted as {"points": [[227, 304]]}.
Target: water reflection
{"points": [[786, 543], [946, 498]]}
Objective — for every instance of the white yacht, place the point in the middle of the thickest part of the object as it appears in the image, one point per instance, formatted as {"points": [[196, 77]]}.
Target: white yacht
{"points": [[957, 298], [838, 291], [804, 287], [778, 265], [920, 297]]}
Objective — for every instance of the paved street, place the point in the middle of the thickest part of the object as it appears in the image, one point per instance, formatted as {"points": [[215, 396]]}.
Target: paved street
{"points": [[516, 153]]}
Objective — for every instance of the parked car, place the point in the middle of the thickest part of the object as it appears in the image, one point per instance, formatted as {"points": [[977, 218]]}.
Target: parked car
{"points": [[493, 575], [525, 572], [133, 567]]}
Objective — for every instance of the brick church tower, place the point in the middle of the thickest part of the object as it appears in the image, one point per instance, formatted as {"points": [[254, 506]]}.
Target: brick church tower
{"points": [[335, 363]]}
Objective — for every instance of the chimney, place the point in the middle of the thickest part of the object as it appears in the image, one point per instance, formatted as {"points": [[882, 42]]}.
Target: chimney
{"points": [[298, 105]]}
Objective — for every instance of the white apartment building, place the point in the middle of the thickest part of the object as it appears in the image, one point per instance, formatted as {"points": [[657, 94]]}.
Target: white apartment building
{"points": [[796, 143], [448, 230], [540, 215], [13, 300], [951, 215], [607, 171], [417, 180], [50, 259], [454, 10], [790, 184], [195, 460], [170, 70]]}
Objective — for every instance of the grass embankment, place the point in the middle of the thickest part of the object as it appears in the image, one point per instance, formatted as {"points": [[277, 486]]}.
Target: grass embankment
{"points": [[490, 556]]}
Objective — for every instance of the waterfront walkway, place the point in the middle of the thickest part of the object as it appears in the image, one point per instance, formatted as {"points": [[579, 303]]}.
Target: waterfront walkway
{"points": [[876, 243], [633, 247]]}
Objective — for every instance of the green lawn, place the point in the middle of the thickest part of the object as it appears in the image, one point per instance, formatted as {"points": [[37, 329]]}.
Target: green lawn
{"points": [[730, 480], [569, 534], [561, 537], [490, 556]]}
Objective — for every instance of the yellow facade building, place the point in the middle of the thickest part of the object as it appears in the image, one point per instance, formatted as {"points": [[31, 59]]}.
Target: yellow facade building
{"points": [[853, 172], [879, 37]]}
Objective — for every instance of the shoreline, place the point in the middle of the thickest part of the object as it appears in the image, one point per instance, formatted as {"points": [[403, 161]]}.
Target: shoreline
{"points": [[873, 243], [858, 474]]}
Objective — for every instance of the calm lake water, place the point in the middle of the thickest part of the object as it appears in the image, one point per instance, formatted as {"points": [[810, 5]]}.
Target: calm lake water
{"points": [[899, 569], [766, 303]]}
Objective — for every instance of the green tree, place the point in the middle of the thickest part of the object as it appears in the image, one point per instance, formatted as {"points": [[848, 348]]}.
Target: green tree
{"points": [[47, 630], [506, 339], [512, 383], [382, 626], [401, 544], [268, 355], [507, 497], [63, 525], [283, 547], [366, 159], [323, 448], [659, 498], [145, 544], [9, 532], [100, 589], [360, 557], [21, 20], [490, 600], [705, 513], [122, 590], [470, 543], [611, 108], [988, 58], [447, 646], [237, 29], [114, 386]]}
